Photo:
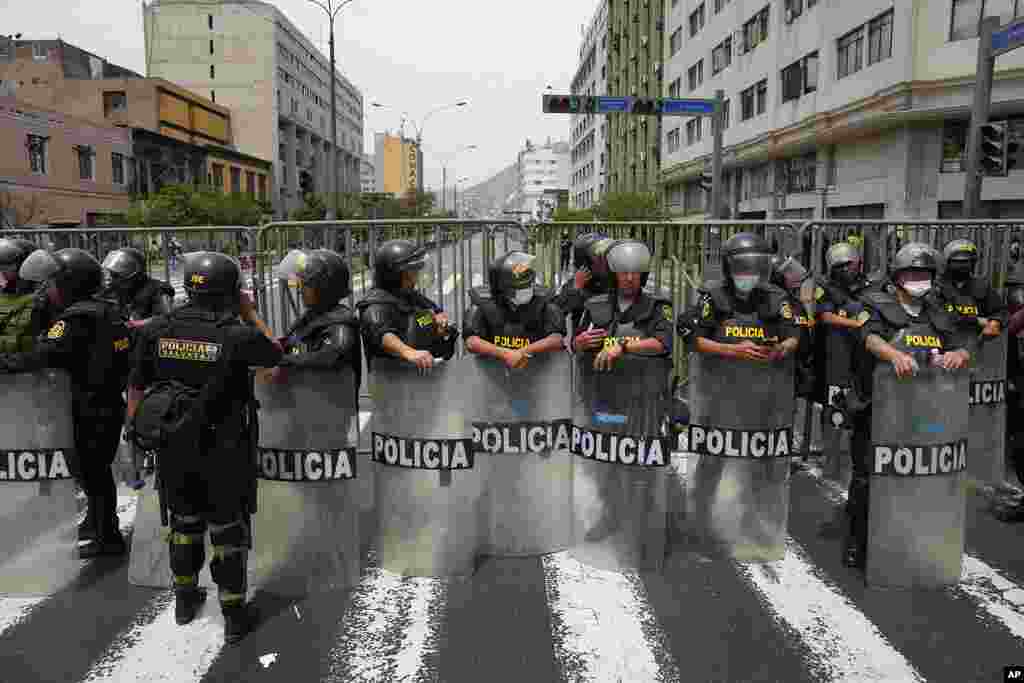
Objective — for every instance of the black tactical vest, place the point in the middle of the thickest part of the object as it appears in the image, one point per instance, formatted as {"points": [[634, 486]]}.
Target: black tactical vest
{"points": [[512, 328], [109, 368], [760, 324], [417, 329], [603, 311], [307, 335], [962, 304]]}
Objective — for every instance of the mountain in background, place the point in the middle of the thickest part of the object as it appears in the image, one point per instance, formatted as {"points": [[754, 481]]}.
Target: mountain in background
{"points": [[490, 197]]}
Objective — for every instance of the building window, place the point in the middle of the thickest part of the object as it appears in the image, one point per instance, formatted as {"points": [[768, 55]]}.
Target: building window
{"points": [[849, 52], [117, 168], [880, 38], [695, 75], [954, 142], [114, 101], [672, 141], [675, 87], [721, 56], [218, 176], [213, 96], [250, 184], [801, 173], [719, 5], [236, 180], [211, 47], [726, 114], [800, 78], [37, 153], [85, 165], [755, 30], [209, 21], [794, 8], [39, 52], [966, 19], [262, 184], [675, 41], [211, 72], [697, 20], [693, 130], [762, 96]]}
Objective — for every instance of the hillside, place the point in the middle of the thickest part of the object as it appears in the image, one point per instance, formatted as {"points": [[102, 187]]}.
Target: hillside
{"points": [[493, 195]]}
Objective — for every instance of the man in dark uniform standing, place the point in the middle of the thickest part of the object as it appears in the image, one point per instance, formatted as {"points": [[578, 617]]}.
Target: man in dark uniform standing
{"points": [[970, 301], [90, 341], [141, 296], [397, 320], [789, 275], [885, 315], [22, 313], [203, 352], [1013, 511], [512, 319], [591, 278]]}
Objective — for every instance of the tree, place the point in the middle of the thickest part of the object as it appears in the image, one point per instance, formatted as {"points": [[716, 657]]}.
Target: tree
{"points": [[184, 205], [629, 206]]}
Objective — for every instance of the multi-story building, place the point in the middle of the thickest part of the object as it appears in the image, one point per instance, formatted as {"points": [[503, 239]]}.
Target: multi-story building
{"points": [[588, 131], [176, 135], [60, 169], [838, 109], [636, 30], [249, 57], [367, 175], [539, 169], [397, 164]]}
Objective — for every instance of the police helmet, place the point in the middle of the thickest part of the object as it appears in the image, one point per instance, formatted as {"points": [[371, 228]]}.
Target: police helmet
{"points": [[320, 269], [746, 253], [13, 253], [124, 265], [210, 274], [75, 272], [841, 254], [915, 256], [580, 255], [515, 270], [395, 257], [787, 272], [960, 257], [629, 256], [597, 252]]}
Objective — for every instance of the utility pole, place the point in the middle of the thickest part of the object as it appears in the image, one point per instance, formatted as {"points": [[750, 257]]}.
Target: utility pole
{"points": [[716, 155], [979, 116]]}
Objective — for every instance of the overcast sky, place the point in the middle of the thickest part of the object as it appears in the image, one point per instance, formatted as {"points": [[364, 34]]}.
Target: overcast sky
{"points": [[411, 55]]}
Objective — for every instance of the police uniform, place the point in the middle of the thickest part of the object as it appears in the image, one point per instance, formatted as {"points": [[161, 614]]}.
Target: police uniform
{"points": [[208, 478], [835, 346], [23, 315], [492, 319], [90, 341], [805, 375], [648, 316], [767, 317], [140, 296], [571, 300]]}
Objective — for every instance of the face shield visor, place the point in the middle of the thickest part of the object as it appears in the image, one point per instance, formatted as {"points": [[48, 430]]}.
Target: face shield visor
{"points": [[420, 268], [292, 268], [118, 269], [749, 270]]}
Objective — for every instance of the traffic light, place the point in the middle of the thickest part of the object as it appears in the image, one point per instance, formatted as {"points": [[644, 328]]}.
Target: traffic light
{"points": [[569, 104], [1013, 150], [993, 148], [646, 105], [305, 183], [705, 182]]}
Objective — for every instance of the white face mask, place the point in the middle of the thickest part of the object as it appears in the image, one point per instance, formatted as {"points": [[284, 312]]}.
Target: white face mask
{"points": [[523, 296], [917, 289], [745, 283]]}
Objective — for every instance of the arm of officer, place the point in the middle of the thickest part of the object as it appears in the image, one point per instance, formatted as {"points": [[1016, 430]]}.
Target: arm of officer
{"points": [[871, 336], [142, 373], [704, 330], [247, 312], [255, 349], [554, 326], [660, 334], [339, 343], [825, 311], [379, 328], [475, 331], [789, 333], [993, 313], [54, 349]]}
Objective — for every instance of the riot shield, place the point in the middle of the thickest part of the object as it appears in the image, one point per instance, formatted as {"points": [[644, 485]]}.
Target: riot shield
{"points": [[521, 425], [740, 440], [38, 508], [429, 484], [987, 411], [620, 480], [306, 528], [919, 436]]}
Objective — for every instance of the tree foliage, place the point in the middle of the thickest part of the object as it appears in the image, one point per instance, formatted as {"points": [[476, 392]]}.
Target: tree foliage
{"points": [[185, 205], [618, 206]]}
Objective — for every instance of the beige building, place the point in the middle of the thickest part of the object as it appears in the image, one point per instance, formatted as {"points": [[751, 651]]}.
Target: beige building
{"points": [[58, 168], [249, 57], [837, 109], [398, 164]]}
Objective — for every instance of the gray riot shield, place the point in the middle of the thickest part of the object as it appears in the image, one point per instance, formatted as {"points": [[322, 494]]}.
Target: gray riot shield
{"points": [[521, 426], [38, 509], [987, 411], [429, 484], [306, 528], [620, 480], [918, 458], [740, 439]]}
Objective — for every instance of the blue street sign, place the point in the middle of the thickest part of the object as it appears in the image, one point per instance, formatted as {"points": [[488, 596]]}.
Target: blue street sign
{"points": [[1009, 37], [696, 107], [612, 104]]}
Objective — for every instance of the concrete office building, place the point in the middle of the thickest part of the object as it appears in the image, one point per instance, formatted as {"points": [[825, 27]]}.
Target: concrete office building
{"points": [[540, 169], [367, 175], [837, 109], [249, 57], [588, 132]]}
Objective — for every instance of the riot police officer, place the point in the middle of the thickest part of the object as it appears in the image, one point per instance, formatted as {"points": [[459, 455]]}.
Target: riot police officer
{"points": [[1014, 512], [200, 354], [512, 318], [789, 275], [906, 306], [141, 296], [91, 342], [590, 278], [747, 296], [22, 312], [326, 337], [396, 319], [970, 301]]}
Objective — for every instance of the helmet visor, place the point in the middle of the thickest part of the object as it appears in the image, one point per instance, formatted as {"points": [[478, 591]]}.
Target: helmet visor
{"points": [[121, 264], [40, 266], [292, 267], [522, 273], [745, 265], [629, 257]]}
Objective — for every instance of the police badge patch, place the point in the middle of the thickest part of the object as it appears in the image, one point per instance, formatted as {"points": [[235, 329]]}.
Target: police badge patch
{"points": [[56, 331], [819, 293], [666, 312], [705, 312], [787, 312], [864, 317]]}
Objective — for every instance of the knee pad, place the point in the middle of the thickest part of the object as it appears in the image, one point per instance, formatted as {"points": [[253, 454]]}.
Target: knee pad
{"points": [[187, 547], [230, 559]]}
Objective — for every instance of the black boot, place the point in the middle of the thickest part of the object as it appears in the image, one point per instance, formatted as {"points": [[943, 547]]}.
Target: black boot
{"points": [[109, 540], [854, 547], [187, 602], [1010, 514], [87, 527], [238, 621]]}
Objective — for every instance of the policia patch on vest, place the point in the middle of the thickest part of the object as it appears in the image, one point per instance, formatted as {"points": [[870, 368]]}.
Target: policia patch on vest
{"points": [[278, 464], [527, 438], [423, 454], [35, 465], [620, 449], [735, 443], [505, 341], [186, 349], [988, 393], [919, 461]]}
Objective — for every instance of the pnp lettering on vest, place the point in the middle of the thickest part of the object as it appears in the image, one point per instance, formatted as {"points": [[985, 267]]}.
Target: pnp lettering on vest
{"points": [[276, 464], [423, 454], [988, 393], [35, 465], [920, 461], [736, 443], [619, 449], [537, 438]]}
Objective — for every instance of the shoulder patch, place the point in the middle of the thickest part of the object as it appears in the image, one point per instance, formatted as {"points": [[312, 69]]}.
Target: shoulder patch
{"points": [[705, 311], [666, 312], [786, 311], [819, 293], [863, 317], [57, 330]]}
